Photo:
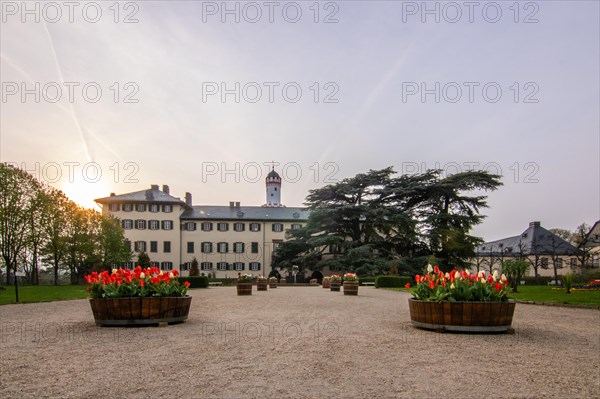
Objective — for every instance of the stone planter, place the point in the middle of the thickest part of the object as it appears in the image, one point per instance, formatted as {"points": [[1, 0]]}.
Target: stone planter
{"points": [[462, 316], [261, 285], [326, 283], [335, 285], [350, 287], [244, 288], [140, 311]]}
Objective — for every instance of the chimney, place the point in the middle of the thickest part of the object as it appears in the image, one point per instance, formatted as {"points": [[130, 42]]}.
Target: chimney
{"points": [[535, 224], [165, 189], [112, 194], [237, 204], [231, 204], [154, 187], [188, 199]]}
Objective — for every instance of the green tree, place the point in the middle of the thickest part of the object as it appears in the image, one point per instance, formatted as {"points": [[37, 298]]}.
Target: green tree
{"points": [[143, 260], [514, 270], [194, 270]]}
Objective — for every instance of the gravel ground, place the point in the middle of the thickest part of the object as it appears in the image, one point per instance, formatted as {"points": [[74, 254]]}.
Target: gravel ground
{"points": [[295, 342]]}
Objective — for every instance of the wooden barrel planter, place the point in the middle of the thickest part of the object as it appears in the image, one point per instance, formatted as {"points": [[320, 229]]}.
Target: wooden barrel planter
{"points": [[350, 287], [244, 288], [462, 316], [326, 283], [140, 311], [335, 285], [261, 285], [272, 285]]}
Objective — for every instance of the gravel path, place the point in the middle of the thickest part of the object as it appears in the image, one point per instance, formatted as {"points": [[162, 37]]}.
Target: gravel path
{"points": [[295, 342]]}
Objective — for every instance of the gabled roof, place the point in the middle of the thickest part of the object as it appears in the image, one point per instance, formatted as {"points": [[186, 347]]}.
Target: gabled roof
{"points": [[592, 239], [534, 240], [151, 195], [261, 213]]}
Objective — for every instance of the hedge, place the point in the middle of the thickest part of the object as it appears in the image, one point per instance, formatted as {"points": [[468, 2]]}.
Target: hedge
{"points": [[391, 281], [195, 281], [362, 280]]}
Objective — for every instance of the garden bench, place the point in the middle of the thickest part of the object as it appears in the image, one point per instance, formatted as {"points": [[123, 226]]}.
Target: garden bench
{"points": [[215, 283], [368, 283]]}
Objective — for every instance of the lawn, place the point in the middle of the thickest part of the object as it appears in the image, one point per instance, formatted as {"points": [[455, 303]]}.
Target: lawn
{"points": [[541, 293], [42, 293]]}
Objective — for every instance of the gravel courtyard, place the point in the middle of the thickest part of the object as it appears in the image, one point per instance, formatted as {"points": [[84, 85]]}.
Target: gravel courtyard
{"points": [[295, 342]]}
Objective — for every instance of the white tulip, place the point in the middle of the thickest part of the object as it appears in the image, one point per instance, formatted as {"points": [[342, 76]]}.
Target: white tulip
{"points": [[447, 275], [495, 275], [114, 270], [456, 275], [482, 280], [452, 286], [503, 277], [142, 275], [171, 275], [429, 268]]}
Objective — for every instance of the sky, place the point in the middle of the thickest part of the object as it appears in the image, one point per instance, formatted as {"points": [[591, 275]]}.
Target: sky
{"points": [[101, 97]]}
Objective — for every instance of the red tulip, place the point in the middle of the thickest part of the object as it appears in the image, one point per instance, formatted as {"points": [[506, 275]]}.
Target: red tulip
{"points": [[406, 286]]}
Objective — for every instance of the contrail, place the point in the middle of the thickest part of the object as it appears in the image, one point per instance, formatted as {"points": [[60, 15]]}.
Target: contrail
{"points": [[86, 147]]}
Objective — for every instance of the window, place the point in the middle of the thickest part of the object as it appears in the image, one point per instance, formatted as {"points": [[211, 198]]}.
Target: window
{"points": [[238, 247], [154, 208], [207, 226], [128, 265], [207, 247], [254, 247], [276, 244], [140, 207], [139, 246], [153, 246], [167, 224], [190, 247], [167, 208], [113, 207], [277, 227], [167, 246], [166, 266], [140, 224], [222, 226], [595, 261], [222, 265], [254, 266], [206, 265], [127, 224], [222, 247], [544, 263], [127, 207], [186, 266], [239, 226], [573, 263], [296, 226], [254, 226], [153, 224], [189, 226], [154, 263], [559, 263], [238, 266]]}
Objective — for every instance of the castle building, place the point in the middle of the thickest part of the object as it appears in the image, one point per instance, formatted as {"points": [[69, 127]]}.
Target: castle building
{"points": [[226, 240]]}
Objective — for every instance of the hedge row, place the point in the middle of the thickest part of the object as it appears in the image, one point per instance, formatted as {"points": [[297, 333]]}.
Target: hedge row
{"points": [[195, 281], [362, 280], [391, 281]]}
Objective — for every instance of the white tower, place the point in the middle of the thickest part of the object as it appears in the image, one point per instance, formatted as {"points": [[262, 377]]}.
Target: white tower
{"points": [[273, 183]]}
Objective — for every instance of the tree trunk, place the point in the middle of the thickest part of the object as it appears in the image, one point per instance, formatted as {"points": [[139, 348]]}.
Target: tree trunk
{"points": [[16, 284], [55, 271]]}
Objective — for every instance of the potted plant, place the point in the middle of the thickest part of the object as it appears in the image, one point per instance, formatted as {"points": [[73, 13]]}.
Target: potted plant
{"points": [[350, 284], [139, 297], [460, 301], [335, 281], [326, 282], [261, 283], [273, 282], [244, 284]]}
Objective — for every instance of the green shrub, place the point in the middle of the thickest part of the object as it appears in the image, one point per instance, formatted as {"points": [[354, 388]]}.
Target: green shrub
{"points": [[583, 278], [540, 280], [515, 269], [195, 281], [567, 282], [391, 281]]}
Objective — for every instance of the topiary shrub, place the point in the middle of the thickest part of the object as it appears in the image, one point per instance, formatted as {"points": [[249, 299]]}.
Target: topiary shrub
{"points": [[195, 281], [392, 281]]}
